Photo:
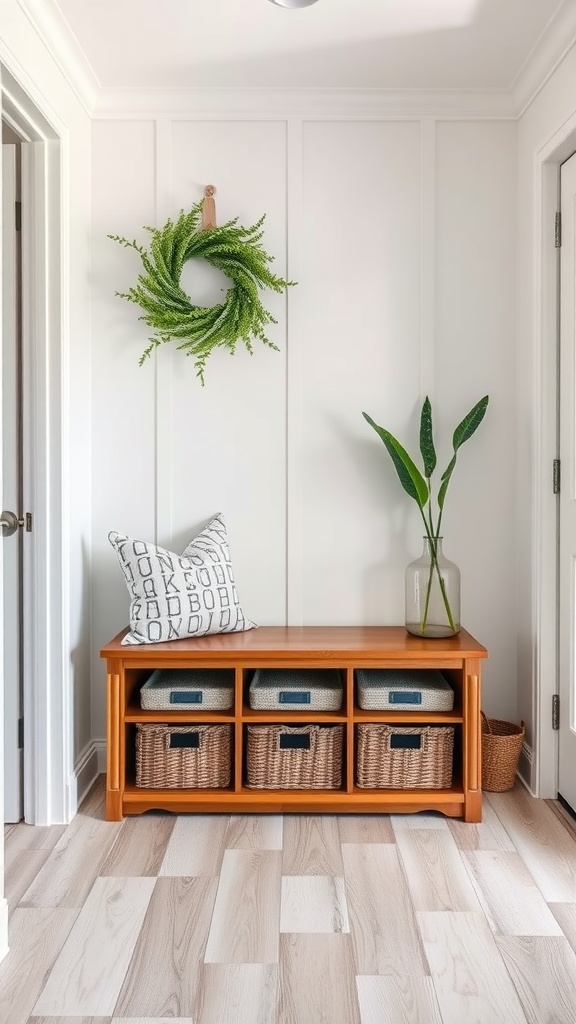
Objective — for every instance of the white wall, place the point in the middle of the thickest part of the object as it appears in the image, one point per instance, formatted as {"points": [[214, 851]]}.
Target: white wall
{"points": [[400, 232], [543, 130]]}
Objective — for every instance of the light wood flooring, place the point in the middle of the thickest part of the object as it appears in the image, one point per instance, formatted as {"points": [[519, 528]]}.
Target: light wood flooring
{"points": [[220, 919]]}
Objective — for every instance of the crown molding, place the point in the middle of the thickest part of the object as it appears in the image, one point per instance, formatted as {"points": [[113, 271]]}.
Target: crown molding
{"points": [[273, 102], [556, 41], [103, 102], [61, 43]]}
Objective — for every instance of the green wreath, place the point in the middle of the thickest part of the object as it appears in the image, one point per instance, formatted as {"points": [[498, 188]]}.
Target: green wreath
{"points": [[233, 249]]}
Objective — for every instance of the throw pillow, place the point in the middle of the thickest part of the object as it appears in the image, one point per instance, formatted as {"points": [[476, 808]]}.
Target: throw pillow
{"points": [[176, 596]]}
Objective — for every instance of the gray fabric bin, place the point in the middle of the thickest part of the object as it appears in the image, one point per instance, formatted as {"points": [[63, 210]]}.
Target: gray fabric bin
{"points": [[391, 689], [173, 689], [307, 689]]}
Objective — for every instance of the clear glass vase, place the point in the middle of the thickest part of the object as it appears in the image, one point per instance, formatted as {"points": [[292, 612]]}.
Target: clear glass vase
{"points": [[433, 593]]}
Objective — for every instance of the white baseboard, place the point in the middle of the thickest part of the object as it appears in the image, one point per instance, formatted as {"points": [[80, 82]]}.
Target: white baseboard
{"points": [[86, 770], [3, 928], [525, 766], [100, 747]]}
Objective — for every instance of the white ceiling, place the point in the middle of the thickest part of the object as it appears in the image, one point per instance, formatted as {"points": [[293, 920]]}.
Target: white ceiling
{"points": [[365, 44]]}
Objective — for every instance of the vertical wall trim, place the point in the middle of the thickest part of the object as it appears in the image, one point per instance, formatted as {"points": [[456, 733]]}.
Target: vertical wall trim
{"points": [[294, 372], [427, 254], [163, 356]]}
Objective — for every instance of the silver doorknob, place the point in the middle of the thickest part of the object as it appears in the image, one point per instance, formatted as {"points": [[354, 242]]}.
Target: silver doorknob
{"points": [[10, 523]]}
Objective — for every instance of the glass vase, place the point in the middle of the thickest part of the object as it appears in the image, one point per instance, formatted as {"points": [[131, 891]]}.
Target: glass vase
{"points": [[433, 593]]}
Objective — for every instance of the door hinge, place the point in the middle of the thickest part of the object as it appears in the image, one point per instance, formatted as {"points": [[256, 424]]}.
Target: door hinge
{"points": [[556, 711], [20, 733], [18, 215], [558, 230], [556, 476]]}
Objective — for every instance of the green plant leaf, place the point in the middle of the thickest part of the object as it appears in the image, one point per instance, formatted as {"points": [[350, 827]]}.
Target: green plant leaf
{"points": [[445, 481], [463, 432], [408, 473], [470, 423], [427, 449]]}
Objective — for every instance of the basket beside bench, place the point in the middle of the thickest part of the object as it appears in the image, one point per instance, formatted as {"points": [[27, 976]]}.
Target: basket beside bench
{"points": [[501, 749]]}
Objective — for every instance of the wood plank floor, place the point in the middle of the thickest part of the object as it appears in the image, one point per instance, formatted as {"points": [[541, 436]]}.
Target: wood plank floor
{"points": [[217, 919]]}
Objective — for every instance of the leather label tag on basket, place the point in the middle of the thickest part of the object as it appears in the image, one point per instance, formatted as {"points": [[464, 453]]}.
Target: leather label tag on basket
{"points": [[184, 739], [294, 741], [405, 741]]}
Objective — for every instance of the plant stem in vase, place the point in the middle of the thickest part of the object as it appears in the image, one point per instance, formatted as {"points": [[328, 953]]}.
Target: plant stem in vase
{"points": [[433, 593]]}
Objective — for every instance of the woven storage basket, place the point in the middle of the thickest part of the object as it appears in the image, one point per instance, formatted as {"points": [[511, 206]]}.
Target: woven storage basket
{"points": [[404, 757], [296, 689], [183, 756], [173, 689], [301, 757], [400, 689], [501, 749]]}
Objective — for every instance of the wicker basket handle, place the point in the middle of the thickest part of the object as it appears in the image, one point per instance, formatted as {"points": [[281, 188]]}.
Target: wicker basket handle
{"points": [[418, 741], [187, 738], [297, 738], [486, 722]]}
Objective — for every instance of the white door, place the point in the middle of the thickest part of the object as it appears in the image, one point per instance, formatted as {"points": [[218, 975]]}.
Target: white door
{"points": [[567, 554], [11, 491]]}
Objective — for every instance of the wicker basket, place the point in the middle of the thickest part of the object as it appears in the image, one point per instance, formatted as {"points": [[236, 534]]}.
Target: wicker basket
{"points": [[404, 757], [302, 757], [183, 756], [501, 748]]}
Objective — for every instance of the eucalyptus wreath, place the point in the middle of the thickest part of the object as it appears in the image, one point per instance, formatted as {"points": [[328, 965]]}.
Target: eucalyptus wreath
{"points": [[235, 250]]}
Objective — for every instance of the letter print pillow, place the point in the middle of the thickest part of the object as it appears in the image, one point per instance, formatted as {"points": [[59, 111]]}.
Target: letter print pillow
{"points": [[176, 596]]}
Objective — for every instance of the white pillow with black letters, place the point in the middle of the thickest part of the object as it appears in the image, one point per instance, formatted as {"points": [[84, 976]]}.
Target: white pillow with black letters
{"points": [[176, 596]]}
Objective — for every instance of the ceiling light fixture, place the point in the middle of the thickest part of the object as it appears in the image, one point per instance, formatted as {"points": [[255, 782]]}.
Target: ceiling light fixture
{"points": [[293, 3]]}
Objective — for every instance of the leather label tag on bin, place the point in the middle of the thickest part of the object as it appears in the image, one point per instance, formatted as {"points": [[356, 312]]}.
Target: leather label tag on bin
{"points": [[294, 697], [405, 697], [186, 697]]}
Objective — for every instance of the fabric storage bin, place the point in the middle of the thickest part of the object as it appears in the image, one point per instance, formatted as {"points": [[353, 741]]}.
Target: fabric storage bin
{"points": [[404, 757], [317, 689], [300, 757], [393, 689], [183, 756], [174, 689]]}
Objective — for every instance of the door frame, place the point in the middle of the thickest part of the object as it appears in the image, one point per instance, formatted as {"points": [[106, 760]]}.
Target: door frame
{"points": [[548, 159], [47, 698]]}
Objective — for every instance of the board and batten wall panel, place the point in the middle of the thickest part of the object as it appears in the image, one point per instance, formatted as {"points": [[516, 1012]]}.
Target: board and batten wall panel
{"points": [[475, 355], [123, 394], [399, 233], [222, 447], [361, 271]]}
